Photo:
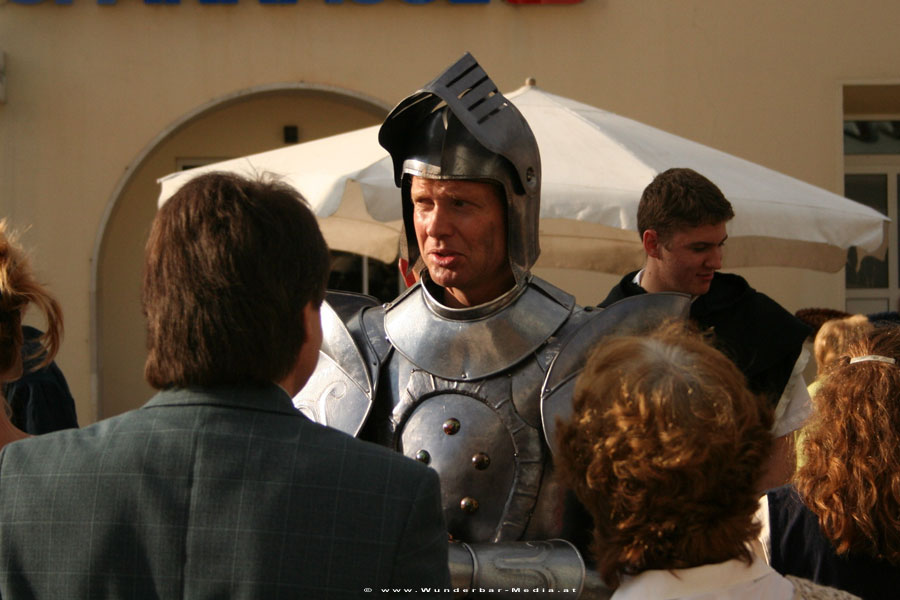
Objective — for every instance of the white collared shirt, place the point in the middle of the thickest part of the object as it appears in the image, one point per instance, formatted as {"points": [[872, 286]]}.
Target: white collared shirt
{"points": [[730, 580]]}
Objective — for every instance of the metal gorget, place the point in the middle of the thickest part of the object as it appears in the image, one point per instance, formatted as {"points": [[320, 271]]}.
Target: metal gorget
{"points": [[472, 343]]}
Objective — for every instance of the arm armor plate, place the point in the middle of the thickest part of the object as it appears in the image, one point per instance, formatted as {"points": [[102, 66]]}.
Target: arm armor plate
{"points": [[341, 390], [631, 316], [544, 569]]}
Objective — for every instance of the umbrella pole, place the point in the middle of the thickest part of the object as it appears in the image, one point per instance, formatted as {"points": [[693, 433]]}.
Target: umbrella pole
{"points": [[365, 275]]}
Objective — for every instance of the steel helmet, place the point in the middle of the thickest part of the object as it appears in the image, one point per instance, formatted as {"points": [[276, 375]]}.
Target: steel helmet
{"points": [[460, 127]]}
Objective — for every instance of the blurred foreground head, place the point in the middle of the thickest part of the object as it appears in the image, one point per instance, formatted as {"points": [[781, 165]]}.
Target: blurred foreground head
{"points": [[834, 338], [229, 267], [664, 449]]}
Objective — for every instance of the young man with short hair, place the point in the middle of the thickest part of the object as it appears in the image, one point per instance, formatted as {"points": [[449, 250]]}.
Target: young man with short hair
{"points": [[682, 219]]}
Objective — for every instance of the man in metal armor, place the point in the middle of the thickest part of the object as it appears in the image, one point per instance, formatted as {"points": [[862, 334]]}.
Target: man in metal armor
{"points": [[468, 369]]}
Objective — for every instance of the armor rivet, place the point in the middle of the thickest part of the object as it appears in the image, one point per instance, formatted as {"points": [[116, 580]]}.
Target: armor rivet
{"points": [[451, 426], [481, 461], [468, 504], [529, 174], [423, 457]]}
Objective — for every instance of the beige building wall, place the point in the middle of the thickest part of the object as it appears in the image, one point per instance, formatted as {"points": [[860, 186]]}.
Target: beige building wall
{"points": [[235, 126], [101, 100]]}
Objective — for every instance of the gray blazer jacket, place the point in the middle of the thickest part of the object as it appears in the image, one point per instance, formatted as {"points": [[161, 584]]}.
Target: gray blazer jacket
{"points": [[215, 493]]}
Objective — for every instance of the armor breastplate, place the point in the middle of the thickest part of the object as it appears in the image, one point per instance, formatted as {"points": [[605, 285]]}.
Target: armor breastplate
{"points": [[466, 401], [484, 429], [490, 460]]}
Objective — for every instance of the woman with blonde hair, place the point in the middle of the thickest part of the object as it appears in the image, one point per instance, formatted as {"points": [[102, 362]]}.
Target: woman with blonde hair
{"points": [[665, 449], [18, 290], [834, 337], [839, 524]]}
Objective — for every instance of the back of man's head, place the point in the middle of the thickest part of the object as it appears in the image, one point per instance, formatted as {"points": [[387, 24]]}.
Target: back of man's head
{"points": [[680, 199], [229, 266]]}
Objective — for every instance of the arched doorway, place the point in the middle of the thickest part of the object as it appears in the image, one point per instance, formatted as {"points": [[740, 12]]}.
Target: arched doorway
{"points": [[243, 123]]}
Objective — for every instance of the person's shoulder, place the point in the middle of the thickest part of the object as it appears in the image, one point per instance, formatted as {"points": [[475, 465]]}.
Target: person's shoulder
{"points": [[31, 333], [360, 453], [88, 434], [76, 448], [804, 589], [731, 291], [732, 288], [729, 287], [625, 288], [364, 465], [784, 500], [783, 492]]}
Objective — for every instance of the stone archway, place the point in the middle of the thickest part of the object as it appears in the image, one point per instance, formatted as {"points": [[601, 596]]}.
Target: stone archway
{"points": [[245, 122]]}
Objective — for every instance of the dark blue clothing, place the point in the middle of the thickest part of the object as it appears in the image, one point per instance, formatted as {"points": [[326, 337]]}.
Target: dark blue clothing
{"points": [[40, 400], [800, 548]]}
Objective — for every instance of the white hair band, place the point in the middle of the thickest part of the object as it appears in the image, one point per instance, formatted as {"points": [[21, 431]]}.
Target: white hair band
{"points": [[873, 357]]}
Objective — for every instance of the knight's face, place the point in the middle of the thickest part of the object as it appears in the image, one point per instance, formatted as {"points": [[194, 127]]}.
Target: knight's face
{"points": [[461, 231]]}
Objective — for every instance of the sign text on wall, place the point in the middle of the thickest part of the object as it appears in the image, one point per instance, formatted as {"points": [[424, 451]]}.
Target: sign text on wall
{"points": [[109, 2]]}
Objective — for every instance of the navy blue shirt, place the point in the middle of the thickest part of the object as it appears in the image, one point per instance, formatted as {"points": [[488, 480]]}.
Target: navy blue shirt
{"points": [[40, 400], [800, 548]]}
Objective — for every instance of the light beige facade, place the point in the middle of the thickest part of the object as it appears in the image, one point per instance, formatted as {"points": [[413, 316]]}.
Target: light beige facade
{"points": [[97, 101]]}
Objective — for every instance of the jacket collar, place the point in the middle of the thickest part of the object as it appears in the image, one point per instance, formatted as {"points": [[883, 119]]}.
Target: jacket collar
{"points": [[264, 396]]}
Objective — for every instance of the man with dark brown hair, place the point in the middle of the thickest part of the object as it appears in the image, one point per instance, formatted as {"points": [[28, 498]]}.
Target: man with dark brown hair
{"points": [[218, 487], [682, 219]]}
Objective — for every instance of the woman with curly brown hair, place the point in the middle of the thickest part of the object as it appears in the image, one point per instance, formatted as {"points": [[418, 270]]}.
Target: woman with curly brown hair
{"points": [[665, 448], [18, 290], [839, 524]]}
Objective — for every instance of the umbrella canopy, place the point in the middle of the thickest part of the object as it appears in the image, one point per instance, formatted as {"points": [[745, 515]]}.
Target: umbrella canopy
{"points": [[595, 165]]}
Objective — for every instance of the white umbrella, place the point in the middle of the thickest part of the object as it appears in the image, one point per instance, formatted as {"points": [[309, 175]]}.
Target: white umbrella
{"points": [[346, 178], [595, 165]]}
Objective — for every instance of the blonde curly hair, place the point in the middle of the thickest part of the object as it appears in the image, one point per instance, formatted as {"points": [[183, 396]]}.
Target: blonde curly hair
{"points": [[834, 336]]}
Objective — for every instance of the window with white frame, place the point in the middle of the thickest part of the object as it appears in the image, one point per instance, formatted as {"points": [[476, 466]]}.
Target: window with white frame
{"points": [[872, 177]]}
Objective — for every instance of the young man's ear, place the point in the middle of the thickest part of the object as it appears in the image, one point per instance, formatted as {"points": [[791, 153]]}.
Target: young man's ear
{"points": [[650, 239]]}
